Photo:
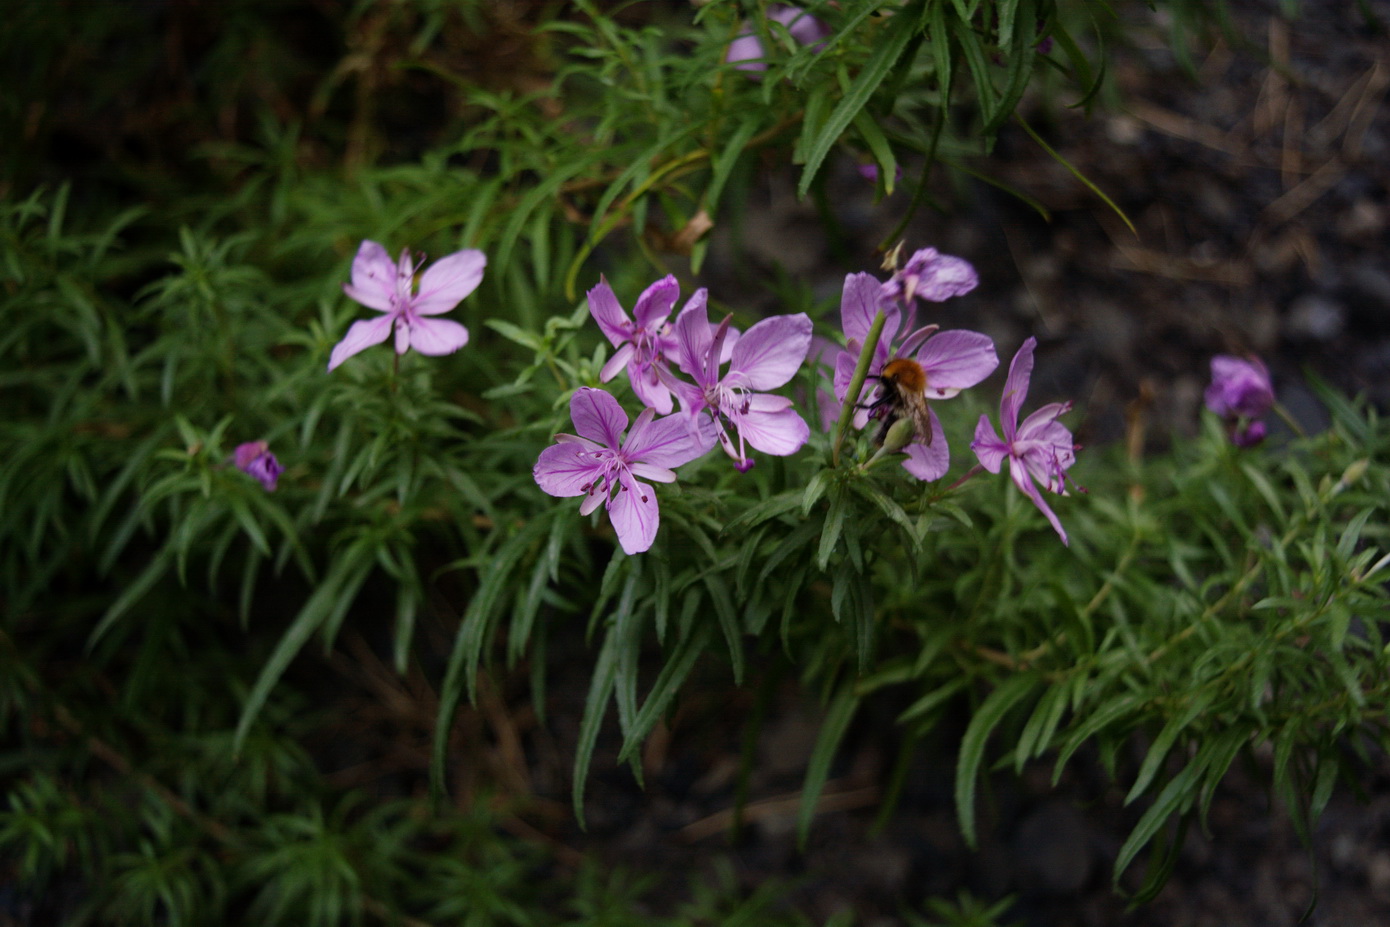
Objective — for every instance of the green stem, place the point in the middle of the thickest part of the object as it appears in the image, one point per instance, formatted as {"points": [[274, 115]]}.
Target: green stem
{"points": [[1289, 420], [856, 383]]}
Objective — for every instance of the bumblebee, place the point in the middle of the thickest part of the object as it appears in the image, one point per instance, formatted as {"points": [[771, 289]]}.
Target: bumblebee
{"points": [[903, 394]]}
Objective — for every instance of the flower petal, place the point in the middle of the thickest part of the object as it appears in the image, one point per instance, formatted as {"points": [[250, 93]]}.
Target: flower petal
{"points": [[656, 302], [597, 416], [1016, 388], [777, 433], [956, 360], [611, 319], [1036, 426], [770, 353], [617, 362], [746, 53], [373, 277], [360, 336], [860, 301], [929, 462], [694, 338], [566, 469], [634, 514], [437, 336], [801, 25], [666, 442], [449, 280], [987, 445], [1020, 477], [943, 276], [649, 388]]}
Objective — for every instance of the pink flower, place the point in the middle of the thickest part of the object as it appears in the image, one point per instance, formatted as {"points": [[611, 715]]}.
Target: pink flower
{"points": [[1040, 449], [932, 276], [746, 52], [1241, 393], [950, 361], [643, 341], [389, 287], [600, 466], [255, 458], [765, 357]]}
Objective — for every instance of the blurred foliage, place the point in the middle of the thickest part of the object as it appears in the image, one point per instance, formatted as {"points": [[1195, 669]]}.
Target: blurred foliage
{"points": [[190, 183]]}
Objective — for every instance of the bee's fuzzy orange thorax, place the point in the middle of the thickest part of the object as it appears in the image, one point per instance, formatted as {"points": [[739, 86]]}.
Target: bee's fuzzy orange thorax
{"points": [[905, 374]]}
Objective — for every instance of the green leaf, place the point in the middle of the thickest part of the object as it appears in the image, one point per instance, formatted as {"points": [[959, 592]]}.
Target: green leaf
{"points": [[965, 9], [1164, 742], [627, 626], [516, 334], [595, 704], [1042, 725], [933, 700], [766, 510], [832, 731], [852, 597], [728, 623], [878, 146], [977, 60], [1175, 798], [1113, 711], [1020, 66], [939, 35], [1075, 173], [894, 40], [673, 674], [134, 591], [834, 525], [333, 596], [972, 747], [461, 670]]}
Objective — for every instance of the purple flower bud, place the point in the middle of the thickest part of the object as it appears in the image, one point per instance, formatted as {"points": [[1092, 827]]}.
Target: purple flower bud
{"points": [[255, 458], [1248, 434]]}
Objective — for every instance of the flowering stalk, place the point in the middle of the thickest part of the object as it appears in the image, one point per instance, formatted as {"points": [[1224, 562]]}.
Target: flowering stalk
{"points": [[856, 384]]}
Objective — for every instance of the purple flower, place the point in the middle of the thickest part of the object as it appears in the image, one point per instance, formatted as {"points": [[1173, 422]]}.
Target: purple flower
{"points": [[387, 286], [255, 458], [643, 341], [870, 172], [932, 276], [746, 52], [1241, 393], [1040, 449], [600, 466], [950, 361], [765, 357]]}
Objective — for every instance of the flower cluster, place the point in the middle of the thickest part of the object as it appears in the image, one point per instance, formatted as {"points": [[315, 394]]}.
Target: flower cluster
{"points": [[926, 365], [724, 380], [730, 407], [1242, 394]]}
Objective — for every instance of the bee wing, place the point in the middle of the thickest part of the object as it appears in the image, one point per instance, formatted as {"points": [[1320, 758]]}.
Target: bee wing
{"points": [[921, 418]]}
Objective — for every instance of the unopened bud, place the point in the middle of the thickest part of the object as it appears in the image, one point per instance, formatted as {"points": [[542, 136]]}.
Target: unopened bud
{"points": [[899, 436], [1353, 473]]}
